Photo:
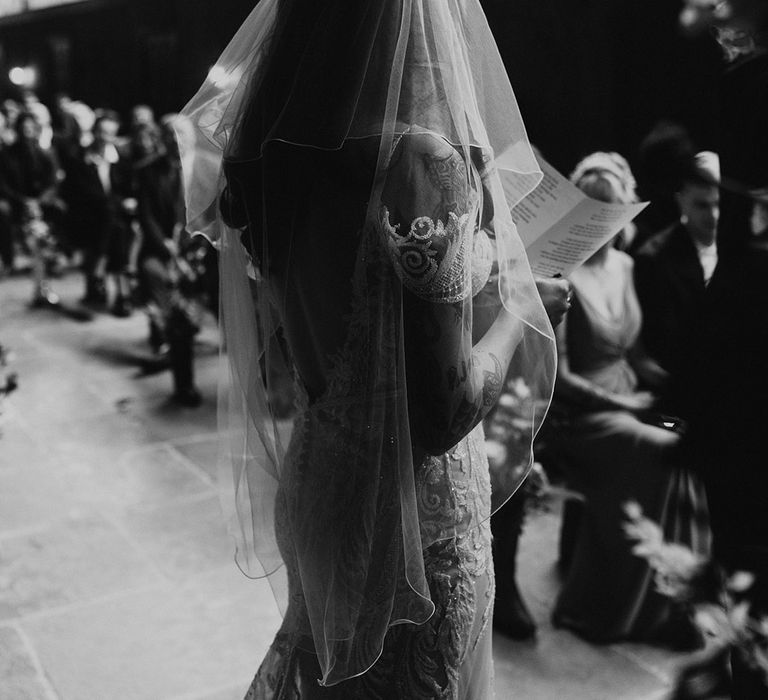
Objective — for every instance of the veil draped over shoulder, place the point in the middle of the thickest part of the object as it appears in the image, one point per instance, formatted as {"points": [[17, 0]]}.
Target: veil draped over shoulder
{"points": [[324, 106]]}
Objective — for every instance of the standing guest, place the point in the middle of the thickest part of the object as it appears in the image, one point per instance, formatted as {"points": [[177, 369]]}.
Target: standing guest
{"points": [[674, 267], [7, 244], [99, 192], [70, 146], [361, 145], [28, 182], [616, 451], [132, 145], [142, 128], [142, 115], [161, 216]]}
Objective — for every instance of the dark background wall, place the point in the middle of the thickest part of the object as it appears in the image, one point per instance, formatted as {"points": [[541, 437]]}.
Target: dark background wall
{"points": [[589, 74], [117, 53], [599, 74]]}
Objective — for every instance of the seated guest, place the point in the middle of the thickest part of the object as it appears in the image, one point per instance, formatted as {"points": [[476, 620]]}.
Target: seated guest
{"points": [[616, 454], [673, 268]]}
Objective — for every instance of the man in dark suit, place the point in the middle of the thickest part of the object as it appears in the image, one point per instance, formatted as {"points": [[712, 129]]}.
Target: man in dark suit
{"points": [[673, 269], [728, 383], [98, 188]]}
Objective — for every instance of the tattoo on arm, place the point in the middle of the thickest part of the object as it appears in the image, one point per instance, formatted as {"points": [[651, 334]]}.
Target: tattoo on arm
{"points": [[449, 176], [493, 378]]}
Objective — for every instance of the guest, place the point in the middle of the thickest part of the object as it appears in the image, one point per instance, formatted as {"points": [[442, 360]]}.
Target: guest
{"points": [[142, 115], [617, 454], [161, 216], [728, 383], [663, 155], [28, 183], [7, 122], [7, 252], [673, 269], [70, 146], [99, 192]]}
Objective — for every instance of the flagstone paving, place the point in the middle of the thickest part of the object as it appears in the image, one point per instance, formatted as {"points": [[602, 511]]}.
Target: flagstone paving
{"points": [[116, 573]]}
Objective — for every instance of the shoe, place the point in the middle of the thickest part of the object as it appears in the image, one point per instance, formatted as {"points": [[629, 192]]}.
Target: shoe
{"points": [[189, 397], [121, 308], [45, 299]]}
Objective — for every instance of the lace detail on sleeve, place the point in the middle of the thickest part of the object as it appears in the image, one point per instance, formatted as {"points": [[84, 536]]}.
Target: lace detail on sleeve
{"points": [[432, 259]]}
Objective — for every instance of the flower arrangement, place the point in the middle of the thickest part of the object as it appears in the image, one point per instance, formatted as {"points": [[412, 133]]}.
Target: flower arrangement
{"points": [[719, 604]]}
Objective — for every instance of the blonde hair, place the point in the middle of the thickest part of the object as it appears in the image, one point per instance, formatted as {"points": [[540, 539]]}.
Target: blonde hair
{"points": [[605, 176]]}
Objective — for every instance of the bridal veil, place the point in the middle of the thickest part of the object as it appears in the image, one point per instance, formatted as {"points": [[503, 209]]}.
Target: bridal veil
{"points": [[322, 75]]}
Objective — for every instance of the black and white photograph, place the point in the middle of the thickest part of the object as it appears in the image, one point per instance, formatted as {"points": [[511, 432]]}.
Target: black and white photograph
{"points": [[383, 350]]}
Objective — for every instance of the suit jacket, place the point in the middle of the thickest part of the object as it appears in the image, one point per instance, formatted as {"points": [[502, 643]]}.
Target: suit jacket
{"points": [[670, 286], [94, 211], [727, 397]]}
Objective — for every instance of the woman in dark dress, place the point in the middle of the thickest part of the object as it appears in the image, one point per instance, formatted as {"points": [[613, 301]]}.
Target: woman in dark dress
{"points": [[615, 454]]}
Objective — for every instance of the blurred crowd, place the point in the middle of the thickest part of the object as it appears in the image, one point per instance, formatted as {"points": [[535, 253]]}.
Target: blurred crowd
{"points": [[81, 190]]}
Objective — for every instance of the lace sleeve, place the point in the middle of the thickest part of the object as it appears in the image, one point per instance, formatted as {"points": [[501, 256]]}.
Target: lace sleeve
{"points": [[435, 245], [430, 222]]}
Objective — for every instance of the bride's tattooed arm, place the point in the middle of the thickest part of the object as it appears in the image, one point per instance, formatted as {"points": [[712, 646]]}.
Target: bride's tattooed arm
{"points": [[451, 385], [433, 199]]}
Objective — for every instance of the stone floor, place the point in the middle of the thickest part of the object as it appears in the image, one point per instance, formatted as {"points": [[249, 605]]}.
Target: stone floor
{"points": [[116, 579]]}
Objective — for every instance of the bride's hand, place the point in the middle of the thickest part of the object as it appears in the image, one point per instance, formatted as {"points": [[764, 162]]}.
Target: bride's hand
{"points": [[556, 296]]}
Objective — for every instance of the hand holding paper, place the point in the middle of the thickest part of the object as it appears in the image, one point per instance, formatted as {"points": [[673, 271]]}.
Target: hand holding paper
{"points": [[560, 226]]}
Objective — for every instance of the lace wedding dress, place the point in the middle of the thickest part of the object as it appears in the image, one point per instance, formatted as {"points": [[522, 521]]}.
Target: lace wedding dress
{"points": [[449, 655]]}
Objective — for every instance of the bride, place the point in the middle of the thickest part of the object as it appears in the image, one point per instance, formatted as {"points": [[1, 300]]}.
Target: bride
{"points": [[352, 165]]}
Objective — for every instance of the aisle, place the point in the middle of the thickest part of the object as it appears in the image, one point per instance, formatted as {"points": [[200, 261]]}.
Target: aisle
{"points": [[116, 579]]}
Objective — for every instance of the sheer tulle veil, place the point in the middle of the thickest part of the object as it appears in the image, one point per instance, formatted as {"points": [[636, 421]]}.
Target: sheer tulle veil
{"points": [[328, 76]]}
